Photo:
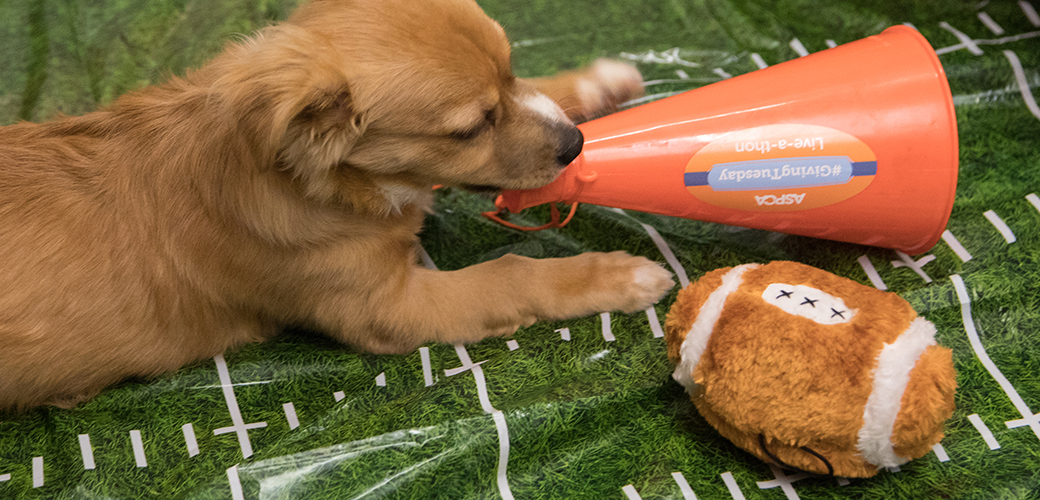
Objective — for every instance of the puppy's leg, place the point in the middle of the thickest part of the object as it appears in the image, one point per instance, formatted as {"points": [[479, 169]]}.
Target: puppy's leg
{"points": [[494, 298], [594, 91]]}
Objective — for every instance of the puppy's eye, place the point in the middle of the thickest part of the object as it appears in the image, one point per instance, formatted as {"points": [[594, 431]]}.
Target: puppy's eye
{"points": [[473, 132], [465, 135]]}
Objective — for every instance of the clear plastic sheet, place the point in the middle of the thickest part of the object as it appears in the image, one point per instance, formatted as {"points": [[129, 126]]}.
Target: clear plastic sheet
{"points": [[575, 409]]}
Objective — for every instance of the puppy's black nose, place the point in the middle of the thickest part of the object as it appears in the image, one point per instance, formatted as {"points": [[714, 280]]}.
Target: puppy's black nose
{"points": [[571, 141]]}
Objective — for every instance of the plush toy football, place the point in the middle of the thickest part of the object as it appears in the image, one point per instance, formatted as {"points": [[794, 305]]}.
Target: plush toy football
{"points": [[809, 370]]}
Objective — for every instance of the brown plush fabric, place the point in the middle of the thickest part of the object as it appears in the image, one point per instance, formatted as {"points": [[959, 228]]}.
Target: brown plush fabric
{"points": [[926, 404], [789, 383], [685, 308]]}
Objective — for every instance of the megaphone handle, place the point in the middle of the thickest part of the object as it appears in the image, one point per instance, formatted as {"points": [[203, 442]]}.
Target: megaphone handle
{"points": [[554, 217]]}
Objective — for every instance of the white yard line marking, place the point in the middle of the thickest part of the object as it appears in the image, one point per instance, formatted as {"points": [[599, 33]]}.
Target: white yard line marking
{"points": [[425, 257], [478, 376], [37, 472], [955, 245], [512, 345], [994, 41], [87, 452], [980, 352], [684, 487], [339, 395], [990, 23], [290, 415], [983, 97], [830, 43], [1023, 84], [798, 48], [235, 483], [761, 63], [669, 256], [732, 486], [189, 439], [987, 435], [604, 321], [381, 380], [238, 425], [565, 334], [1001, 227], [682, 74], [485, 403], [655, 323], [721, 72], [540, 41], [965, 39], [451, 372], [1030, 12], [630, 492], [482, 394], [503, 454], [503, 434], [5, 477], [868, 267], [1008, 39], [940, 452], [917, 265], [1032, 420], [783, 481], [1034, 200], [670, 56], [662, 246], [138, 446], [427, 367]]}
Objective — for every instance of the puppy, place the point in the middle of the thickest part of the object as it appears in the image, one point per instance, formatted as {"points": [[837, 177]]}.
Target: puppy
{"points": [[284, 183]]}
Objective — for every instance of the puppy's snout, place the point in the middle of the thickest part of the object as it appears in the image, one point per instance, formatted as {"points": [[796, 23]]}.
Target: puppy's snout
{"points": [[571, 142]]}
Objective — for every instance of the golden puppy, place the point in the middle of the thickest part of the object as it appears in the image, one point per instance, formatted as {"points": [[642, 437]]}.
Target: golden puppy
{"points": [[284, 183]]}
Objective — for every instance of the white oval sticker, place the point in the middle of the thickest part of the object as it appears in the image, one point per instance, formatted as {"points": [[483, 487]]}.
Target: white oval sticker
{"points": [[808, 302]]}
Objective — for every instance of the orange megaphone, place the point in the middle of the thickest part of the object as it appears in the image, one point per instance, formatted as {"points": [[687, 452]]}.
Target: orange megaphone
{"points": [[857, 143]]}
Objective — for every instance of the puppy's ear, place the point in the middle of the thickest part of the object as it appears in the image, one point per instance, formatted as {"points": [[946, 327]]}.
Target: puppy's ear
{"points": [[318, 138], [287, 90]]}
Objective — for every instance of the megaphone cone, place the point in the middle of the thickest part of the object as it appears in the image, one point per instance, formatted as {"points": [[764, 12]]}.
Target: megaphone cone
{"points": [[857, 143]]}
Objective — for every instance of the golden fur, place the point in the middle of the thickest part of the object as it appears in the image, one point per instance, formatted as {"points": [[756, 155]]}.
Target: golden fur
{"points": [[776, 384], [284, 183]]}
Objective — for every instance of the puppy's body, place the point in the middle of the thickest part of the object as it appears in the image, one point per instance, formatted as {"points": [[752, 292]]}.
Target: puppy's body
{"points": [[285, 183]]}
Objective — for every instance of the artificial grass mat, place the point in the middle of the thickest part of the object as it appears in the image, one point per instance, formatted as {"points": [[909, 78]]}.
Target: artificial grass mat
{"points": [[584, 417]]}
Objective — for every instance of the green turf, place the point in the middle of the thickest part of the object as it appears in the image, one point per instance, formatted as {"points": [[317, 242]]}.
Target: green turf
{"points": [[585, 417]]}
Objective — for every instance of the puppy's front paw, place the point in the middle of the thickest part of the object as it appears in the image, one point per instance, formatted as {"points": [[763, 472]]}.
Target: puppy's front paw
{"points": [[605, 86], [617, 281], [649, 282]]}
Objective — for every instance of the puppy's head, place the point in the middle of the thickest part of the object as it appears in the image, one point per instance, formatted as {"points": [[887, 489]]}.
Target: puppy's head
{"points": [[384, 94]]}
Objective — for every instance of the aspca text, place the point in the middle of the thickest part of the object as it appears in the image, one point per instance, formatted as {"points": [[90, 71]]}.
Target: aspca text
{"points": [[783, 199]]}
